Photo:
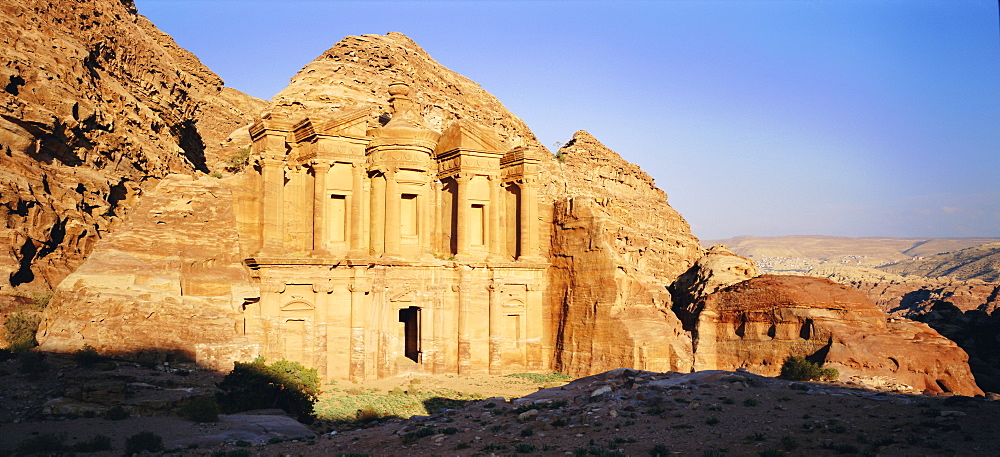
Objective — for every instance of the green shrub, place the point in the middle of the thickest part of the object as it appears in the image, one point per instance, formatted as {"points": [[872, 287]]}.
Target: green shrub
{"points": [[800, 369], [238, 161], [49, 443], [659, 451], [86, 356], [116, 413], [524, 448], [143, 441], [283, 384], [200, 409], [94, 444], [32, 362], [20, 329]]}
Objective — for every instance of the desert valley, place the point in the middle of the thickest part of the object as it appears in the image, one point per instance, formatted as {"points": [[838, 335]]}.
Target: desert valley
{"points": [[399, 256]]}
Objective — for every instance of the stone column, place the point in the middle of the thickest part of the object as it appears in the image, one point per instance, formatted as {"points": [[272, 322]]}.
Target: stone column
{"points": [[494, 230], [274, 177], [462, 240], [436, 231], [424, 211], [391, 213], [378, 215], [320, 198], [357, 210], [529, 220], [533, 314], [496, 329], [464, 343], [358, 325]]}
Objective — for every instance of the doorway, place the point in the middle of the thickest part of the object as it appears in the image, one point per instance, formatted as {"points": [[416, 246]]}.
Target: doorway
{"points": [[410, 317]]}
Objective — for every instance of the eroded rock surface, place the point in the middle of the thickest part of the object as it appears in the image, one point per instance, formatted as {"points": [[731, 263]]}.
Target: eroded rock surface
{"points": [[97, 104], [718, 268], [170, 282], [616, 246], [356, 72], [757, 323]]}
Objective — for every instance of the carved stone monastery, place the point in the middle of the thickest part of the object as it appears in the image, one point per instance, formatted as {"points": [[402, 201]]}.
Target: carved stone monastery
{"points": [[354, 226]]}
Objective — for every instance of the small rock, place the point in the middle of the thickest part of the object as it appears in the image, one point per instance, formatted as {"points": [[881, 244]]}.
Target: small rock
{"points": [[601, 391], [527, 414]]}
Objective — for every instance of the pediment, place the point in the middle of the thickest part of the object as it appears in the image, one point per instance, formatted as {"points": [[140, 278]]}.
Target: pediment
{"points": [[352, 123], [298, 306], [408, 296], [467, 135]]}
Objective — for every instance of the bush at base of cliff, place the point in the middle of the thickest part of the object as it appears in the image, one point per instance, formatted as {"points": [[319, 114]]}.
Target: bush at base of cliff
{"points": [[143, 441], [282, 384], [800, 369], [201, 409]]}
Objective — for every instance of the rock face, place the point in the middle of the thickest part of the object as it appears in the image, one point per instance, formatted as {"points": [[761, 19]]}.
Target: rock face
{"points": [[757, 323], [616, 246], [967, 312], [356, 72], [97, 104], [169, 283], [718, 268], [172, 279]]}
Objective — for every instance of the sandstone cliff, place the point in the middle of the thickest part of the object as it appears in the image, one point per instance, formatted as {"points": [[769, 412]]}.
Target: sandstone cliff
{"points": [[614, 241], [97, 105], [356, 72], [757, 323], [616, 246], [169, 283]]}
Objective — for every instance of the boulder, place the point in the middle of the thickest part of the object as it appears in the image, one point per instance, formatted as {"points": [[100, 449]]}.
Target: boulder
{"points": [[759, 322], [169, 283]]}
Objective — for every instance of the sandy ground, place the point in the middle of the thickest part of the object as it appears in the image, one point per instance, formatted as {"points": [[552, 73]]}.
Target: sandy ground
{"points": [[617, 413]]}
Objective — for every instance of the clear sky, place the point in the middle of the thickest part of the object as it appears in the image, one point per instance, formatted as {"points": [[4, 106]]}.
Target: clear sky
{"points": [[757, 117]]}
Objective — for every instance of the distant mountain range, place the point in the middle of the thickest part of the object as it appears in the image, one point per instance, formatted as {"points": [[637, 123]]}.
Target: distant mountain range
{"points": [[959, 258]]}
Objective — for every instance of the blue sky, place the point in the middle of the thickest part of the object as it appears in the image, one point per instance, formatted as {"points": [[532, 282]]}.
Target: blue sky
{"points": [[766, 117]]}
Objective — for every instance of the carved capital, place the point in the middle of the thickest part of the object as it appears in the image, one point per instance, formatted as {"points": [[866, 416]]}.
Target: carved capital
{"points": [[272, 286], [359, 287], [323, 286], [320, 165]]}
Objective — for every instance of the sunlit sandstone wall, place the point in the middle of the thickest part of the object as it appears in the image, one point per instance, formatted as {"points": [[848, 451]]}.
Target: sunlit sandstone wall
{"points": [[394, 248]]}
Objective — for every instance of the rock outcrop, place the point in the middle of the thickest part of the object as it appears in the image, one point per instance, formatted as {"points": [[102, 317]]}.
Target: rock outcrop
{"points": [[169, 283], [757, 323], [356, 72], [97, 105], [718, 268], [616, 246]]}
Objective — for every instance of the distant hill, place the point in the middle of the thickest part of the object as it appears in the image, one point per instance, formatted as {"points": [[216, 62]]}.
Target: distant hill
{"points": [[978, 262], [805, 253]]}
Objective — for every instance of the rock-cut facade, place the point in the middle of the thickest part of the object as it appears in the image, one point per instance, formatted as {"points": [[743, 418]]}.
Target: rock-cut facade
{"points": [[393, 249]]}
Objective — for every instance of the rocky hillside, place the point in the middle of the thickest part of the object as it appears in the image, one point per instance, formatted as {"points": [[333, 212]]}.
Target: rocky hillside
{"points": [[615, 241], [616, 246], [357, 70], [98, 104], [978, 262], [937, 281]]}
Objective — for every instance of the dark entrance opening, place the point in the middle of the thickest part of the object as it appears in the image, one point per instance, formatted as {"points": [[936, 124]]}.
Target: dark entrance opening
{"points": [[410, 317]]}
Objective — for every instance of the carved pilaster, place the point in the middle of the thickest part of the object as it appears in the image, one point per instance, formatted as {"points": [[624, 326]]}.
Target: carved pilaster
{"points": [[273, 173], [462, 241], [392, 226], [357, 210], [320, 169], [496, 329]]}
